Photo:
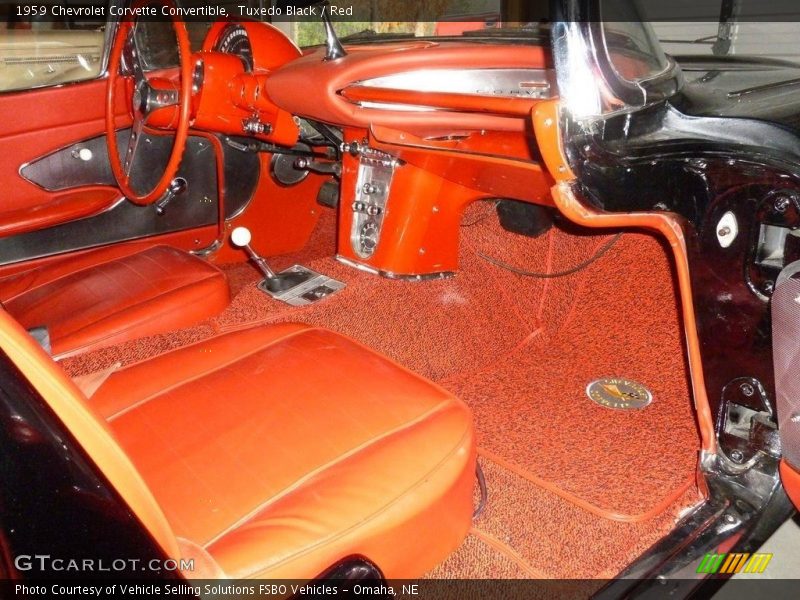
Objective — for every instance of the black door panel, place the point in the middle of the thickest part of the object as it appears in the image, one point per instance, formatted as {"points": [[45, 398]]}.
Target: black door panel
{"points": [[198, 207]]}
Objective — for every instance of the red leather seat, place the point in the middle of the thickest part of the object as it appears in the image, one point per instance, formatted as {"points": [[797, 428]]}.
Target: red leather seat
{"points": [[283, 449], [101, 297]]}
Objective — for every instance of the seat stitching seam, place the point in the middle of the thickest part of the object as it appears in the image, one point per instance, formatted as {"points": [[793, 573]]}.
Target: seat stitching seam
{"points": [[320, 469], [98, 340], [122, 310], [432, 384], [86, 268], [204, 373]]}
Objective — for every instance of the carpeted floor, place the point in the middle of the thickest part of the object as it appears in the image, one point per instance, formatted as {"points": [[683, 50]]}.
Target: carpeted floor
{"points": [[531, 406], [576, 490], [529, 532]]}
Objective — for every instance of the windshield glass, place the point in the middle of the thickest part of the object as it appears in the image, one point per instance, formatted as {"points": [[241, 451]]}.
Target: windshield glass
{"points": [[413, 18], [693, 28], [753, 29], [633, 50], [769, 40]]}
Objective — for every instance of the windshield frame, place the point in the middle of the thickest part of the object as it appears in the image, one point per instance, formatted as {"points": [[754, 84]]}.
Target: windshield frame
{"points": [[580, 49]]}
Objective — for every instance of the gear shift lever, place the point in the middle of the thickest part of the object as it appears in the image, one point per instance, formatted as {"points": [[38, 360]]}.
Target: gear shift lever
{"points": [[275, 282], [241, 237]]}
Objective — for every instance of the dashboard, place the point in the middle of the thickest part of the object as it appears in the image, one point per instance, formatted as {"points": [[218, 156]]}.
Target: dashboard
{"points": [[427, 87], [408, 133]]}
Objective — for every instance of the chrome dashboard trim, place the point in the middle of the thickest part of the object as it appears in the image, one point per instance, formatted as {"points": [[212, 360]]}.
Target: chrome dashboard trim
{"points": [[399, 107], [506, 83]]}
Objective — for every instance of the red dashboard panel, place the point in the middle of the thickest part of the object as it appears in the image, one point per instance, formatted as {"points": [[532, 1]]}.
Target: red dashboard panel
{"points": [[461, 147], [485, 172], [312, 87]]}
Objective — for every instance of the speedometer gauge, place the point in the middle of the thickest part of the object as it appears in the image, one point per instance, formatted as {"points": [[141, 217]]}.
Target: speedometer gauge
{"points": [[234, 40]]}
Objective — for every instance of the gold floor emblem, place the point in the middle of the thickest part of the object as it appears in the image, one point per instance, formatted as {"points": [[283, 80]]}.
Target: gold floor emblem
{"points": [[619, 393]]}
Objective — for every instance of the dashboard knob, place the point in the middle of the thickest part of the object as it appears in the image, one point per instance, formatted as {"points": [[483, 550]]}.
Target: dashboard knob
{"points": [[354, 148], [368, 238], [85, 154]]}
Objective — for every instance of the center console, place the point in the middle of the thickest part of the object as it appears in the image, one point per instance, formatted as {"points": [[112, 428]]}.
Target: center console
{"points": [[373, 184]]}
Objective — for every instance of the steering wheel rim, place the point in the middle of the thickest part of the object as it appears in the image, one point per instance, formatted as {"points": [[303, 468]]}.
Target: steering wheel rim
{"points": [[122, 171]]}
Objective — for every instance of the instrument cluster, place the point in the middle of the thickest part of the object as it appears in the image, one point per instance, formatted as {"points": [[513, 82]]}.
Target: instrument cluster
{"points": [[234, 40], [229, 81]]}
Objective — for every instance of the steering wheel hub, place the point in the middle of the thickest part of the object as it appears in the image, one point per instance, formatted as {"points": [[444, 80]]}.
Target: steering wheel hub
{"points": [[138, 104]]}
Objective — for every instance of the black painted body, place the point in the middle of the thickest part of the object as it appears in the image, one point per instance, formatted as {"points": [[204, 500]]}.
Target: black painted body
{"points": [[700, 154], [55, 501]]}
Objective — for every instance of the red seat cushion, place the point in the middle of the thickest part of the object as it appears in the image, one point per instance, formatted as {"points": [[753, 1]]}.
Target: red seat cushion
{"points": [[284, 449], [102, 298]]}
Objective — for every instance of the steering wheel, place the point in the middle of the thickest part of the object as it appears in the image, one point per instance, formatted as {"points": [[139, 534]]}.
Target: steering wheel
{"points": [[146, 98]]}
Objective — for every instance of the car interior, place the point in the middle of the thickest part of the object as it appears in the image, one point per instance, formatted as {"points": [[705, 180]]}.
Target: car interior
{"points": [[300, 305]]}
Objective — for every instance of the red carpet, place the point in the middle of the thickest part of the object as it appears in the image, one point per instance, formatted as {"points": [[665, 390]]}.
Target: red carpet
{"points": [[520, 351], [532, 411], [529, 532]]}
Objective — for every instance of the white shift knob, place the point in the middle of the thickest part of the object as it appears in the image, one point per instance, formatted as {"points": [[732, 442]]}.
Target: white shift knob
{"points": [[241, 237]]}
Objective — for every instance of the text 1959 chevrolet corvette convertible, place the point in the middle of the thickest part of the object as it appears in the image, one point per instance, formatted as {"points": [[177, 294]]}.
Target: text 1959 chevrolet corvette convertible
{"points": [[518, 300]]}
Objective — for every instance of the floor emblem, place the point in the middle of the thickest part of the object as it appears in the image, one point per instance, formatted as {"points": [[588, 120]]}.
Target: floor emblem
{"points": [[619, 393]]}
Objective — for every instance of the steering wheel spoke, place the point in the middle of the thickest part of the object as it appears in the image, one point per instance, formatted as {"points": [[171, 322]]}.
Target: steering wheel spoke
{"points": [[133, 144], [132, 58]]}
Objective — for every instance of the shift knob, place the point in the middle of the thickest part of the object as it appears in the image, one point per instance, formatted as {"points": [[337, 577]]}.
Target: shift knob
{"points": [[241, 237]]}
